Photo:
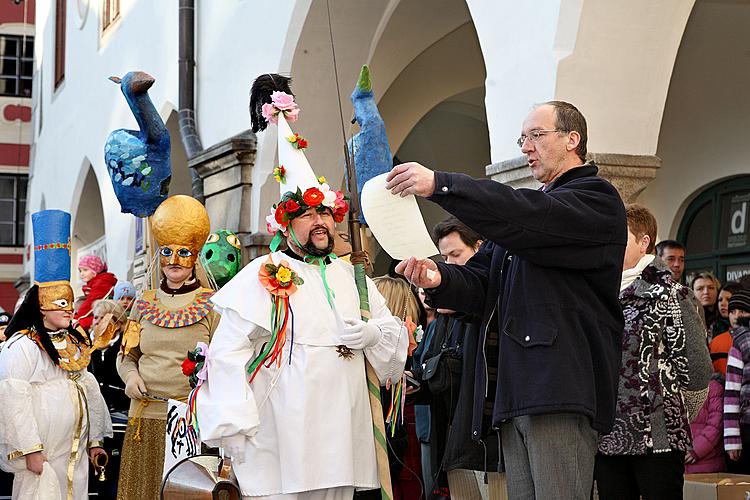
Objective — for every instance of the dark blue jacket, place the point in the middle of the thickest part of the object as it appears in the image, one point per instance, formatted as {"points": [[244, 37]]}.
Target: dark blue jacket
{"points": [[547, 281]]}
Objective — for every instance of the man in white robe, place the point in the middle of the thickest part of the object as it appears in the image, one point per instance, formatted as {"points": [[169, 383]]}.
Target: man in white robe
{"points": [[302, 429]]}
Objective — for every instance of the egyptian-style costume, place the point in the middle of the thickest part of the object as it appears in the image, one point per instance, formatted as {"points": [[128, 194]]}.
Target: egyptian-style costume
{"points": [[50, 402], [165, 324], [275, 372]]}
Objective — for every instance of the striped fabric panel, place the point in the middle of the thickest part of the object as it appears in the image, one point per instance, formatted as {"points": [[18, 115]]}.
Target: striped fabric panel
{"points": [[732, 386]]}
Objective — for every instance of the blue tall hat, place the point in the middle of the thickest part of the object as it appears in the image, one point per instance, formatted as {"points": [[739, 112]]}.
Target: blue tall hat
{"points": [[52, 259]]}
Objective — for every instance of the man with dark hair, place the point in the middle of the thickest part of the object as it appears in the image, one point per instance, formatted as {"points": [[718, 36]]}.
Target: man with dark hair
{"points": [[456, 241], [673, 254], [451, 449], [545, 284]]}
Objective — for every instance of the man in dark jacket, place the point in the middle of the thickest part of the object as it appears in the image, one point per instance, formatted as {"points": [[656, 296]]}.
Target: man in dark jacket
{"points": [[546, 284]]}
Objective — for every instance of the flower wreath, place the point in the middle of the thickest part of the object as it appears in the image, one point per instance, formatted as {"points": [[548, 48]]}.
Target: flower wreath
{"points": [[295, 203]]}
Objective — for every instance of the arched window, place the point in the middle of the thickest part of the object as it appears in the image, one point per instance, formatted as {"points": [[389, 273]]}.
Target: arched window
{"points": [[716, 230]]}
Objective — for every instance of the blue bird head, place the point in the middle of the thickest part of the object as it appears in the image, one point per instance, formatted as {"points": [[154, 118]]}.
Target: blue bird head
{"points": [[138, 161], [372, 153]]}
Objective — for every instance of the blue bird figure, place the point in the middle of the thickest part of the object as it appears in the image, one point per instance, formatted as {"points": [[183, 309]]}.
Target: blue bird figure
{"points": [[138, 160], [372, 154]]}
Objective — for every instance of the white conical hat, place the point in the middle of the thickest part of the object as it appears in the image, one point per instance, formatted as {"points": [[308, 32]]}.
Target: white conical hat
{"points": [[298, 173]]}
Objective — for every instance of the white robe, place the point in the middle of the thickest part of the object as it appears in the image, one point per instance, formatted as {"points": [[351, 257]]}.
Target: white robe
{"points": [[40, 405], [312, 416]]}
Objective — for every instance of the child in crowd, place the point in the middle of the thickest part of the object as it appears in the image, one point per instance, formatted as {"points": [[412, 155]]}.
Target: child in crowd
{"points": [[707, 454], [97, 284], [125, 295], [722, 341], [736, 416]]}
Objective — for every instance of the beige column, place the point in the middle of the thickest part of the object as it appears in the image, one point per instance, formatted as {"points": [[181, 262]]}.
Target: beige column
{"points": [[227, 170]]}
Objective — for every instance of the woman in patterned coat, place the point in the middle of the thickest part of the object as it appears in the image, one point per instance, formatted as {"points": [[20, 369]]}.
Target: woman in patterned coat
{"points": [[664, 354]]}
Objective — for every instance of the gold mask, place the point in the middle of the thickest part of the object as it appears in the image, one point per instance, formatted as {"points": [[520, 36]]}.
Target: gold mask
{"points": [[55, 296], [176, 254], [180, 226]]}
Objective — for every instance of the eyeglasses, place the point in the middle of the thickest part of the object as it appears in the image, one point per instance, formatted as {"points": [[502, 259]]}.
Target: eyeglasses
{"points": [[182, 252], [534, 136]]}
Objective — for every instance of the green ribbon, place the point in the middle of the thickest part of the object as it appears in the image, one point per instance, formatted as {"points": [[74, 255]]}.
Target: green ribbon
{"points": [[276, 241], [321, 262]]}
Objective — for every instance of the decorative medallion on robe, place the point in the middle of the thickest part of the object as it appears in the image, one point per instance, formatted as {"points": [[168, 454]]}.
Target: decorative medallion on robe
{"points": [[74, 355], [153, 311]]}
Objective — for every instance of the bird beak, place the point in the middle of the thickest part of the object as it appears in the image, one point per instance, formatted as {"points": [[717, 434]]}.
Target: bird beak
{"points": [[115, 79]]}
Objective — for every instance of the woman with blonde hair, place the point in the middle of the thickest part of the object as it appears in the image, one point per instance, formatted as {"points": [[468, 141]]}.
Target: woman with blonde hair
{"points": [[403, 304], [107, 327]]}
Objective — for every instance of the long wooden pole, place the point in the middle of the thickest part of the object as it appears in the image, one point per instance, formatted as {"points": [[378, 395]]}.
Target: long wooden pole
{"points": [[359, 261]]}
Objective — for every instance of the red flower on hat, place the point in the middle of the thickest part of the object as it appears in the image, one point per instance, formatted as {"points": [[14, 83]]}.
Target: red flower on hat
{"points": [[291, 206], [340, 210], [313, 197], [279, 215]]}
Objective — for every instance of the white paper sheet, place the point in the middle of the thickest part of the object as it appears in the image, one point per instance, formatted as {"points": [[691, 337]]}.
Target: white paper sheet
{"points": [[396, 222]]}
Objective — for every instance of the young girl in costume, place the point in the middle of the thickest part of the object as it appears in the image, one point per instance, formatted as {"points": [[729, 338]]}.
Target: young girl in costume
{"points": [[53, 415], [124, 294], [165, 324], [97, 284]]}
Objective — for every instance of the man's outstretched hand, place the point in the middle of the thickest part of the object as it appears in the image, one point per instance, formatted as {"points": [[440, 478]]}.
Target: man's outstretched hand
{"points": [[421, 273], [411, 178]]}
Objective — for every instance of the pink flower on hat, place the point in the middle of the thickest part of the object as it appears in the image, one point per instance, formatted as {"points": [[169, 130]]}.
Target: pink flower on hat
{"points": [[283, 101], [92, 262], [270, 113], [292, 114]]}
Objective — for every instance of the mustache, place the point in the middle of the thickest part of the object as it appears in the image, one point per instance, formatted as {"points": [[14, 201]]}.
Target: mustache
{"points": [[320, 226]]}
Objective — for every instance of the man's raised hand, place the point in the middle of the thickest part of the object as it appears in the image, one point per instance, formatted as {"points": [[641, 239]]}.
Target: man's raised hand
{"points": [[421, 273], [411, 178]]}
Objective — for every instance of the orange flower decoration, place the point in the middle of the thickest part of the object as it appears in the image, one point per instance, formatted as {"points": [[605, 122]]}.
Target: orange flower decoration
{"points": [[279, 280], [411, 327], [313, 197]]}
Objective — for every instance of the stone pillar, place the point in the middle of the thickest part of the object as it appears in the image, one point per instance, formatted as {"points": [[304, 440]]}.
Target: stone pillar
{"points": [[630, 174], [227, 170], [514, 173]]}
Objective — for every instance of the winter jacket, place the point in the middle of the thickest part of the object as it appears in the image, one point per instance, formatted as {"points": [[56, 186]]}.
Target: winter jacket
{"points": [[719, 349], [707, 432], [664, 353], [545, 284], [737, 388], [451, 412], [97, 288]]}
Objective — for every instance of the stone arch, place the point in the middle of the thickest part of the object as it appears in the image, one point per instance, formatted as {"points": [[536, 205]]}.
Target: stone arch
{"points": [[702, 138], [87, 216], [615, 64], [437, 61]]}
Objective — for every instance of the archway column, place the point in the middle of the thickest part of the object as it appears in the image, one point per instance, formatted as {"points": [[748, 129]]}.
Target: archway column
{"points": [[630, 174]]}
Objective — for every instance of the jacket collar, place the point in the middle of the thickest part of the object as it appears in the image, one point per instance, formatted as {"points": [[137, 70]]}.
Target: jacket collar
{"points": [[654, 283], [588, 169]]}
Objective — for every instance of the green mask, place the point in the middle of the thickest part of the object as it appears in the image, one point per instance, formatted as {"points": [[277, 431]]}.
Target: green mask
{"points": [[221, 256]]}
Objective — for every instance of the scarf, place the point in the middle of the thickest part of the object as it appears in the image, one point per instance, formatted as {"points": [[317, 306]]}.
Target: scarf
{"points": [[630, 275]]}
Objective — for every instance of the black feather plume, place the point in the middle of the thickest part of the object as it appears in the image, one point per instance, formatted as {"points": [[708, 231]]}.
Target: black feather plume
{"points": [[260, 94]]}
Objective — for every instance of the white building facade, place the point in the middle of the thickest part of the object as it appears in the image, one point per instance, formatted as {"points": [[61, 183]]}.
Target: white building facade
{"points": [[664, 86]]}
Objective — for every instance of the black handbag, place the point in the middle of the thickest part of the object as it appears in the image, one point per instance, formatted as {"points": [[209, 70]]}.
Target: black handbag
{"points": [[442, 372]]}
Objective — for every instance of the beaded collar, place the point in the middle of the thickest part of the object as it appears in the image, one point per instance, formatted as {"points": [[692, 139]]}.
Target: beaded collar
{"points": [[153, 311]]}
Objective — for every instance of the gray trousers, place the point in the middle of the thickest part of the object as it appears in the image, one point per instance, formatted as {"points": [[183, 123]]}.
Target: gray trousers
{"points": [[549, 456]]}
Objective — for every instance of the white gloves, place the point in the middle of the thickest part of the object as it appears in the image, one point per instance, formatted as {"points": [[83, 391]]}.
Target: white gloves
{"points": [[235, 446], [358, 335], [134, 386]]}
